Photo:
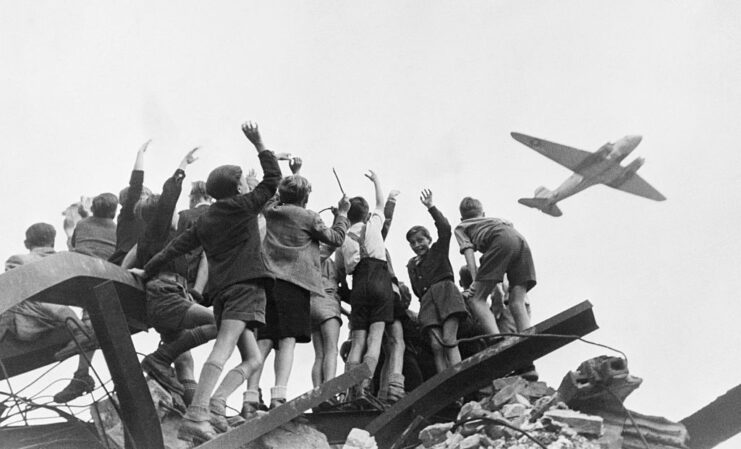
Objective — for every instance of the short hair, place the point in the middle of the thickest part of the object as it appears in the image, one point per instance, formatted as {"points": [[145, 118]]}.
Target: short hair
{"points": [[223, 181], [104, 205], [146, 208], [418, 229], [470, 208], [465, 276], [123, 195], [358, 209], [294, 189], [40, 235], [198, 190]]}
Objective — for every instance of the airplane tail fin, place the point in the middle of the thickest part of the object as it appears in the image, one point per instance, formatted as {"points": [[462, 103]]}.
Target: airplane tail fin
{"points": [[541, 204]]}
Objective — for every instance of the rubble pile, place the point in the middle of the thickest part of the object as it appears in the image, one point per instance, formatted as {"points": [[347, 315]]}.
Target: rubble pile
{"points": [[585, 412]]}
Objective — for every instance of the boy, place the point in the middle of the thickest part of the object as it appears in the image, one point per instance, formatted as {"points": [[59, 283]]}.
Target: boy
{"points": [[96, 235], [505, 251], [230, 237], [372, 296], [441, 306], [30, 318]]}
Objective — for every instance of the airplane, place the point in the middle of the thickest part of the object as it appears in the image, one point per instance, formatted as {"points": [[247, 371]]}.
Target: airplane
{"points": [[600, 167]]}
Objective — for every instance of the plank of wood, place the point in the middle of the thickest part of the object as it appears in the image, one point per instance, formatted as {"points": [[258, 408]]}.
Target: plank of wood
{"points": [[255, 428], [479, 370]]}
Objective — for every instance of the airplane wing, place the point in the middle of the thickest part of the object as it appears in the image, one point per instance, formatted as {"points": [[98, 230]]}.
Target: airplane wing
{"points": [[569, 157], [638, 186]]}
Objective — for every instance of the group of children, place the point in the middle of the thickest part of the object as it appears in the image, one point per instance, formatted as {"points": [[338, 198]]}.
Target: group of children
{"points": [[251, 267]]}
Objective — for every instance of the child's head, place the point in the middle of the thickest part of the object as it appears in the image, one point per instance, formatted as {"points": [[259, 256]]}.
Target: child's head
{"points": [[466, 279], [104, 205], [198, 193], [123, 195], [146, 208], [225, 181], [471, 208], [419, 240], [294, 189], [358, 209], [40, 235]]}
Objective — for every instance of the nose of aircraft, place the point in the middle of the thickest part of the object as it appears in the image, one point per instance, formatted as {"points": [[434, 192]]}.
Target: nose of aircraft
{"points": [[634, 140]]}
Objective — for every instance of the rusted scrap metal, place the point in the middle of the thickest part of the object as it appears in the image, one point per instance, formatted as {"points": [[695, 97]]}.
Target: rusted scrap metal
{"points": [[478, 370], [255, 428], [63, 278], [137, 409], [716, 422]]}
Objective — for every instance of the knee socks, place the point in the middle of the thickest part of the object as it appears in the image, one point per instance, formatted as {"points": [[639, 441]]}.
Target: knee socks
{"points": [[198, 410], [189, 339]]}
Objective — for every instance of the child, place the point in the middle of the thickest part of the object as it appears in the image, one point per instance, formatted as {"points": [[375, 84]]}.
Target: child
{"points": [[326, 320], [96, 235], [292, 246], [505, 251], [29, 319], [364, 256], [230, 237], [128, 226], [441, 306]]}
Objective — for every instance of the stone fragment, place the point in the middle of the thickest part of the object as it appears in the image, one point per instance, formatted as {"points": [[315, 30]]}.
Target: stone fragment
{"points": [[296, 435], [509, 393], [434, 434], [514, 410], [470, 442], [471, 410], [579, 422], [360, 439]]}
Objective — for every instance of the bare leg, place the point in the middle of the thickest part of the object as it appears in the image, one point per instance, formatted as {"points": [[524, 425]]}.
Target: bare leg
{"points": [[517, 299], [357, 348], [375, 338], [316, 368], [197, 315], [395, 338], [437, 349], [284, 360], [330, 332], [480, 309], [450, 337], [264, 345]]}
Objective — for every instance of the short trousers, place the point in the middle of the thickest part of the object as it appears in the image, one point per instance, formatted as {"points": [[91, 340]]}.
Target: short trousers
{"points": [[440, 302], [372, 296], [244, 301], [400, 312], [509, 254], [33, 318], [167, 302], [287, 313], [324, 307]]}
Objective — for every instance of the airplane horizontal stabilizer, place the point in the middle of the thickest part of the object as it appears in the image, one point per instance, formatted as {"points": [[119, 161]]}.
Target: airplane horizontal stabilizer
{"points": [[543, 205]]}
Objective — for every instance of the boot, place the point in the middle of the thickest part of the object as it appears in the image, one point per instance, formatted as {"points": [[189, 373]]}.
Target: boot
{"points": [[85, 337], [162, 373], [197, 432], [80, 384]]}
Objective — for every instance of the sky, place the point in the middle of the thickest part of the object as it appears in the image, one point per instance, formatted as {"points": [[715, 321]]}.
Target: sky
{"points": [[425, 93]]}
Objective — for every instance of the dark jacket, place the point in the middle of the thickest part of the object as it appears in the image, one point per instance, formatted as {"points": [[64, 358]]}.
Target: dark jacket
{"points": [[129, 227], [229, 234], [435, 265]]}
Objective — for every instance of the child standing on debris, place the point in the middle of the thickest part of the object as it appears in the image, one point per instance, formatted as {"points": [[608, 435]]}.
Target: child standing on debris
{"points": [[372, 296], [505, 251], [441, 306], [230, 237], [292, 245]]}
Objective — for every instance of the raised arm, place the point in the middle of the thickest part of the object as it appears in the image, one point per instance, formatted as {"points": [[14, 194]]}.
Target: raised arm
{"points": [[379, 191], [444, 232], [388, 212], [139, 163], [270, 169], [335, 235]]}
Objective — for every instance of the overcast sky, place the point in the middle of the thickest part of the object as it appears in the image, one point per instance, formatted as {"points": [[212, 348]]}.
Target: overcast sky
{"points": [[425, 93]]}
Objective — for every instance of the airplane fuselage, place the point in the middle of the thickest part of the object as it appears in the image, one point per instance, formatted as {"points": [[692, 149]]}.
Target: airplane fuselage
{"points": [[601, 167]]}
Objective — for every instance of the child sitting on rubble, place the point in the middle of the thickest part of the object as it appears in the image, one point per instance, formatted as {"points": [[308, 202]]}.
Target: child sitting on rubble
{"points": [[237, 276], [182, 323], [372, 296], [441, 306], [505, 251], [291, 244], [27, 320]]}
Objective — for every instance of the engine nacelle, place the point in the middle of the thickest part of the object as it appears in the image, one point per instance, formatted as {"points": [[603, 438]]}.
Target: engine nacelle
{"points": [[633, 167]]}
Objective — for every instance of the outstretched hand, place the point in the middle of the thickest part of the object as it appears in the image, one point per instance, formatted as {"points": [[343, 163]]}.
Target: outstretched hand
{"points": [[145, 145], [252, 133], [343, 206], [393, 194], [372, 176], [189, 158], [251, 179], [426, 197], [295, 163]]}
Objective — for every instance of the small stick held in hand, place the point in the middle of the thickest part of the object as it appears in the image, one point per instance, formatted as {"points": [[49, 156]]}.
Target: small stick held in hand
{"points": [[338, 180]]}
